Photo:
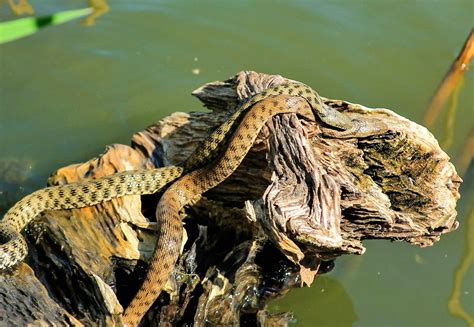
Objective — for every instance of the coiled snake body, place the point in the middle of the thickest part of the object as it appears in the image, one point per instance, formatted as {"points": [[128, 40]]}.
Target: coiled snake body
{"points": [[201, 176]]}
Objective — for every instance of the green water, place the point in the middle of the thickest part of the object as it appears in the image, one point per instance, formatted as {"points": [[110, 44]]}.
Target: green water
{"points": [[68, 91]]}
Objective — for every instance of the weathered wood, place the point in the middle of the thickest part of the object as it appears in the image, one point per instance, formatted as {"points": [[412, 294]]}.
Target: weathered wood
{"points": [[299, 200], [23, 299]]}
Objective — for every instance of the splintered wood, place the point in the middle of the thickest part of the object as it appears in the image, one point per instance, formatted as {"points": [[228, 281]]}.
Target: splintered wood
{"points": [[299, 199]]}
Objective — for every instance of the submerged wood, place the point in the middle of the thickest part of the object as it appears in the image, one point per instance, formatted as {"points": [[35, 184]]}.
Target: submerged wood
{"points": [[299, 200]]}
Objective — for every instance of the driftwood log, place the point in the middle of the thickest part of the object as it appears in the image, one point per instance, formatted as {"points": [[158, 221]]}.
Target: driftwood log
{"points": [[299, 200]]}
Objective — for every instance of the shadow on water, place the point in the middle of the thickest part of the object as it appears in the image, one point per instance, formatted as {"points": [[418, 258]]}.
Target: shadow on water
{"points": [[332, 301], [331, 305], [14, 172]]}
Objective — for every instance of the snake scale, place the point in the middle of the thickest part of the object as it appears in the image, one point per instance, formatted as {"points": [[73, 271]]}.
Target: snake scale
{"points": [[213, 161], [193, 184]]}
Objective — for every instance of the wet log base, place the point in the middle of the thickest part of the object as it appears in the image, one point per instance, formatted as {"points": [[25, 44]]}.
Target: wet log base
{"points": [[299, 200]]}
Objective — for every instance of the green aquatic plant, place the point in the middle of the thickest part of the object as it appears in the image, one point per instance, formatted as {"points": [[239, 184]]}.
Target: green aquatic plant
{"points": [[13, 30]]}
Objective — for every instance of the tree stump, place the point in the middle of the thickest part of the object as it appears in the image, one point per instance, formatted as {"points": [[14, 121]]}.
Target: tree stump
{"points": [[299, 200]]}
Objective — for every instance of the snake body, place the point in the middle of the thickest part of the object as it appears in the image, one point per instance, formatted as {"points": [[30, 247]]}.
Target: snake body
{"points": [[13, 247], [209, 148], [194, 184], [201, 176], [74, 195]]}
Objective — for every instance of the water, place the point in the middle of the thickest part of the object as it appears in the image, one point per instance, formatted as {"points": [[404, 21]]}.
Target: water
{"points": [[68, 91]]}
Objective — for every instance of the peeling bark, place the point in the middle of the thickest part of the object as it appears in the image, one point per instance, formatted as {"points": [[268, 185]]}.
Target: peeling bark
{"points": [[299, 200]]}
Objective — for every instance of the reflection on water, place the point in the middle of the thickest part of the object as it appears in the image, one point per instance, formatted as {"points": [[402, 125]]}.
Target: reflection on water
{"points": [[466, 155], [20, 8], [99, 8], [450, 118], [455, 305], [451, 86], [68, 91]]}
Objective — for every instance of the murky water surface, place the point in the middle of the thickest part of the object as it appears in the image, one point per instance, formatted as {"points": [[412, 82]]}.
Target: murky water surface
{"points": [[69, 90]]}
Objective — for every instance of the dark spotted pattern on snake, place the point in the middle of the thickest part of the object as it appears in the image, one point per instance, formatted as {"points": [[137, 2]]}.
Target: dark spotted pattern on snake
{"points": [[193, 184], [211, 145], [74, 195], [202, 176], [13, 247]]}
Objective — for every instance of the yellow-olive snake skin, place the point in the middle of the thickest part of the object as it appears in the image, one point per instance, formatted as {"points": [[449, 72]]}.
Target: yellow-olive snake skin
{"points": [[74, 195], [211, 145], [12, 245], [200, 178], [194, 184]]}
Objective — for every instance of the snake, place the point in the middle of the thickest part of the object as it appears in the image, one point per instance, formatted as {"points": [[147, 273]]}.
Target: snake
{"points": [[74, 195], [13, 248], [192, 185], [212, 143], [192, 178]]}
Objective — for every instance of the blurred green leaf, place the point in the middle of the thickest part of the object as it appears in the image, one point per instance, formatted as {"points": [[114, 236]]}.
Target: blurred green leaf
{"points": [[19, 28]]}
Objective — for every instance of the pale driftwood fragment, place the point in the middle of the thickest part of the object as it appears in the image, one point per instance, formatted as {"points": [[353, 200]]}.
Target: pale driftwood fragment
{"points": [[300, 198]]}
